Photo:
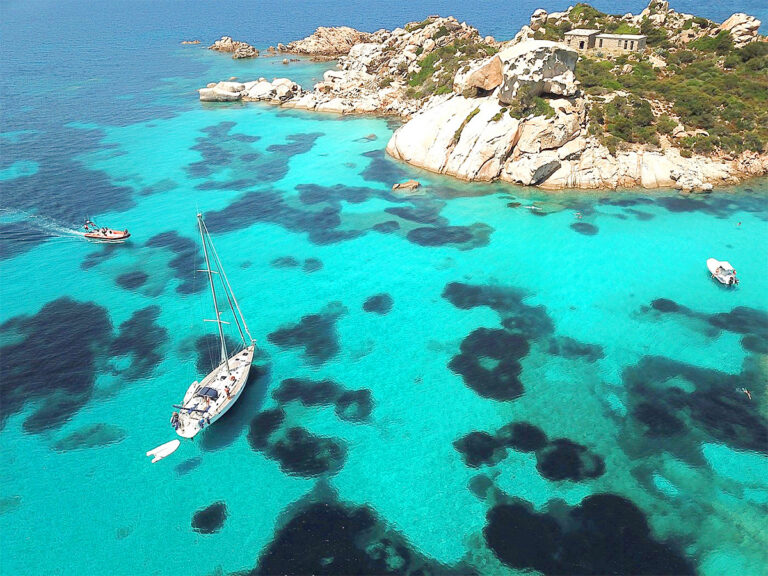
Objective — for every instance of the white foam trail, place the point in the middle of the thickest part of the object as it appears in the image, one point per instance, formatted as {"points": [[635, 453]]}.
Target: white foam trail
{"points": [[48, 225]]}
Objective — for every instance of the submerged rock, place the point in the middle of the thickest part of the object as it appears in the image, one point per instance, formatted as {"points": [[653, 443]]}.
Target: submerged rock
{"points": [[407, 185], [210, 519]]}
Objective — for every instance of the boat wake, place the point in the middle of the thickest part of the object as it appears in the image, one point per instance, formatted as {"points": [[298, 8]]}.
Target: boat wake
{"points": [[36, 225]]}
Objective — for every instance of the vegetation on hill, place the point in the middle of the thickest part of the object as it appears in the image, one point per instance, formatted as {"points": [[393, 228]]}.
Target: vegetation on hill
{"points": [[716, 91], [724, 93], [435, 75]]}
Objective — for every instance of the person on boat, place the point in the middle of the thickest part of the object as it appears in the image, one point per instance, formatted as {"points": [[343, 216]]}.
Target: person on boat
{"points": [[226, 391], [175, 420]]}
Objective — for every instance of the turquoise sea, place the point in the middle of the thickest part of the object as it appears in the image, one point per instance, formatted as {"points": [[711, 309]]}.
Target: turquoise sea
{"points": [[477, 379]]}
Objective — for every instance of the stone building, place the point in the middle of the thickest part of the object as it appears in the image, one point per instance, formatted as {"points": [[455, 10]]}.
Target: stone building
{"points": [[620, 43], [581, 38], [585, 39]]}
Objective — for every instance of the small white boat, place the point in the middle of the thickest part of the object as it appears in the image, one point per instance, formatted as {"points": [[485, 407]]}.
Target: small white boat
{"points": [[208, 400], [103, 234], [163, 450], [722, 271]]}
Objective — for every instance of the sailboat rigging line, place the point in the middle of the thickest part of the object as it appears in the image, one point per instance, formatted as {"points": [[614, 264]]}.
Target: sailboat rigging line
{"points": [[203, 230], [237, 322], [229, 289]]}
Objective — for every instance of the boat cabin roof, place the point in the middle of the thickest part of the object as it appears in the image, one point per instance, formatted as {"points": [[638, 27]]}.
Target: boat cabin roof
{"points": [[211, 393]]}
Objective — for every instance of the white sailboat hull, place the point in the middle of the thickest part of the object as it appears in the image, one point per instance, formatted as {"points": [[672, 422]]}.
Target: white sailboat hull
{"points": [[200, 408]]}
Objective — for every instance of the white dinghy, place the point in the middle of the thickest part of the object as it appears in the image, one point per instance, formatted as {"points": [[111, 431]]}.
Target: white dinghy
{"points": [[722, 271], [208, 400]]}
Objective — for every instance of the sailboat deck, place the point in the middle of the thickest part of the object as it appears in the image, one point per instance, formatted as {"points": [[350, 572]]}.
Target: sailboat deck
{"points": [[201, 410]]}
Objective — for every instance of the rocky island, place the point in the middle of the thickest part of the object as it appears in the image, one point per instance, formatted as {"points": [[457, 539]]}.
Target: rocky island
{"points": [[577, 99]]}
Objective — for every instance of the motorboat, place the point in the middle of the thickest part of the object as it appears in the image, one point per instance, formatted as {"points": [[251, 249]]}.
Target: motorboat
{"points": [[722, 271], [103, 234], [209, 399]]}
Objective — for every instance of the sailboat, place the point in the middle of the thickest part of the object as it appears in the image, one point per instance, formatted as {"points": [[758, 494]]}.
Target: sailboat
{"points": [[209, 399]]}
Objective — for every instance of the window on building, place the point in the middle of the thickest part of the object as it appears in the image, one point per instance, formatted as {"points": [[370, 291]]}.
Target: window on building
{"points": [[632, 45], [601, 42], [581, 45], [625, 44]]}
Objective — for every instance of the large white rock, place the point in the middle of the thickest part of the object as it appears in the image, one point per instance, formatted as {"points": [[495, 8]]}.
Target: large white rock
{"points": [[307, 101], [231, 86], [542, 133], [469, 138], [261, 91], [543, 67], [336, 105], [485, 143], [222, 92], [531, 169], [483, 75], [361, 56], [743, 28]]}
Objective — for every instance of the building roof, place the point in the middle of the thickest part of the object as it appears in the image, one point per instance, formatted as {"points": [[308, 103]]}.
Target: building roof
{"points": [[581, 32], [622, 36]]}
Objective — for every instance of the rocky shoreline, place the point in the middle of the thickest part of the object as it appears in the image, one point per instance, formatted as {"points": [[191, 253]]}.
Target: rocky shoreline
{"points": [[482, 110]]}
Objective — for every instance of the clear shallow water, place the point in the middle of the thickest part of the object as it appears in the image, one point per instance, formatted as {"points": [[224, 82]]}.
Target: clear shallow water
{"points": [[606, 328]]}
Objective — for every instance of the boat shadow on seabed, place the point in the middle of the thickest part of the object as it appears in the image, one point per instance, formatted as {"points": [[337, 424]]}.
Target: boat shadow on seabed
{"points": [[237, 419]]}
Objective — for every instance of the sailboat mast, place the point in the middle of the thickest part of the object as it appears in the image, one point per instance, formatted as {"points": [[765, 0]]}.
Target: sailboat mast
{"points": [[224, 356], [230, 294]]}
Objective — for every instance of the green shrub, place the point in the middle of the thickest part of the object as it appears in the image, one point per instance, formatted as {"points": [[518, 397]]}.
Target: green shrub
{"points": [[442, 31], [627, 118], [584, 12], [611, 142], [731, 61], [685, 153], [702, 22], [665, 124], [625, 28], [753, 50], [412, 27], [541, 107], [757, 64], [593, 73], [457, 134], [656, 36], [439, 67], [720, 44], [682, 57]]}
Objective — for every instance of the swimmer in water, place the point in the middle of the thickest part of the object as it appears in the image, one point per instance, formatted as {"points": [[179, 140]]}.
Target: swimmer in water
{"points": [[747, 392]]}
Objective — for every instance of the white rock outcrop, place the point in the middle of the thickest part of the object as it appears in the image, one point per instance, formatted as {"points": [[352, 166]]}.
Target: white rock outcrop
{"points": [[483, 75], [464, 137], [489, 127], [327, 42], [743, 28], [222, 92], [540, 66], [238, 49]]}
